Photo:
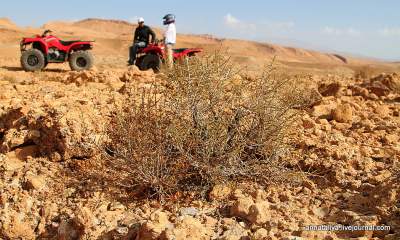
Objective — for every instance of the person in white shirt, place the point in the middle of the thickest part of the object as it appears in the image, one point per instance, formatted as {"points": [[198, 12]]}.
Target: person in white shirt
{"points": [[169, 37]]}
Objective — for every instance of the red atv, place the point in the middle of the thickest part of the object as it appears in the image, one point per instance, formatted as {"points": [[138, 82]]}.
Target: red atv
{"points": [[153, 55], [50, 49]]}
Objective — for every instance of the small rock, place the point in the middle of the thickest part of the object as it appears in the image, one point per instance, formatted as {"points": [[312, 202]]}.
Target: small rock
{"points": [[153, 228], [114, 206], [382, 176], [308, 123], [284, 197], [189, 229], [28, 151], [343, 113], [259, 213], [332, 89], [323, 111], [261, 234], [320, 212], [35, 182], [189, 211], [391, 138], [220, 192], [122, 230], [234, 232], [382, 111], [70, 230], [241, 207], [11, 162]]}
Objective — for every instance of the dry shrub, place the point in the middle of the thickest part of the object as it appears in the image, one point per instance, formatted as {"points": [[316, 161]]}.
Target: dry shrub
{"points": [[205, 124], [138, 151], [366, 72]]}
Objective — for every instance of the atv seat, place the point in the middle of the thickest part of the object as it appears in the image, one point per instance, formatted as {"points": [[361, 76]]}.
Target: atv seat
{"points": [[67, 43], [179, 50]]}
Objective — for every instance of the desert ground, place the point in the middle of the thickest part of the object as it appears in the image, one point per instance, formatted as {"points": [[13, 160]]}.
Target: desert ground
{"points": [[346, 151]]}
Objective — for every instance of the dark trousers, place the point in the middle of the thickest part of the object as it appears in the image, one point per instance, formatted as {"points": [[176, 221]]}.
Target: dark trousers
{"points": [[133, 50]]}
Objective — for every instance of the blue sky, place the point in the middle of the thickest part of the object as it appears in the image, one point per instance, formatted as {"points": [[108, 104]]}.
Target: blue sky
{"points": [[361, 27]]}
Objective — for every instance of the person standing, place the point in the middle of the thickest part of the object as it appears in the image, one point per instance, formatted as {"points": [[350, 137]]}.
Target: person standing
{"points": [[169, 37], [140, 39]]}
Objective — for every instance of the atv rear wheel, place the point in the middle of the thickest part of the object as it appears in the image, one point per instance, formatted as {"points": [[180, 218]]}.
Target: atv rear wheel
{"points": [[81, 60], [151, 61], [32, 60]]}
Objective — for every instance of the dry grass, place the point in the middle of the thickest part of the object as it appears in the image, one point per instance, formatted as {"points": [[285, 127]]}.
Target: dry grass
{"points": [[368, 71], [202, 124]]}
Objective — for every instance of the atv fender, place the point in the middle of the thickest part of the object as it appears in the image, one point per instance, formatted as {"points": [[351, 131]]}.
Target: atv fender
{"points": [[27, 41]]}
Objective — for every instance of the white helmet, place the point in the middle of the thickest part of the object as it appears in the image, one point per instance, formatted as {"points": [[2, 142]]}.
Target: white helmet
{"points": [[140, 20]]}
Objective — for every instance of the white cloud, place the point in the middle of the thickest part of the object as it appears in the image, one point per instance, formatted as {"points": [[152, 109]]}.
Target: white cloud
{"points": [[237, 24], [231, 20], [341, 31], [266, 26], [390, 32]]}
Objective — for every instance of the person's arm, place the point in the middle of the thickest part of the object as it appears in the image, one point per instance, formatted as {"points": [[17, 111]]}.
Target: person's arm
{"points": [[136, 35], [153, 35]]}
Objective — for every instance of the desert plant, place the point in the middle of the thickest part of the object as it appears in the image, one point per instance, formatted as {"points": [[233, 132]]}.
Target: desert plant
{"points": [[203, 123], [366, 72]]}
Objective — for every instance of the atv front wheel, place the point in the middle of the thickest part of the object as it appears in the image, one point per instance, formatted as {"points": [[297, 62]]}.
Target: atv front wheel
{"points": [[81, 60], [139, 61], [151, 61], [32, 60]]}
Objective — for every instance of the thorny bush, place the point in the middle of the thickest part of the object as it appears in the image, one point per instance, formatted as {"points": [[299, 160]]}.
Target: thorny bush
{"points": [[202, 123]]}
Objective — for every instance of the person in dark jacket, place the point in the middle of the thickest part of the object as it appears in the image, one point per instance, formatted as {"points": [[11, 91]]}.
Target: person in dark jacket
{"points": [[140, 40]]}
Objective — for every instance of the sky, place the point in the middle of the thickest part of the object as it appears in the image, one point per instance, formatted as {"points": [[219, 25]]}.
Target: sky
{"points": [[368, 28]]}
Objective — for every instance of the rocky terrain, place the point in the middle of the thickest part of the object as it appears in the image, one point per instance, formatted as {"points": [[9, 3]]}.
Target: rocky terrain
{"points": [[346, 155], [348, 152]]}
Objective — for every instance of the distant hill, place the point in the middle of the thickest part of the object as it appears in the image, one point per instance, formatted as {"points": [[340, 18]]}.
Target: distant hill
{"points": [[114, 37]]}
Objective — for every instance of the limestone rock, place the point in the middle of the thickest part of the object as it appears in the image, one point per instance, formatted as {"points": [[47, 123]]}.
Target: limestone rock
{"points": [[156, 226], [189, 228], [259, 213], [241, 207], [343, 113], [220, 192]]}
